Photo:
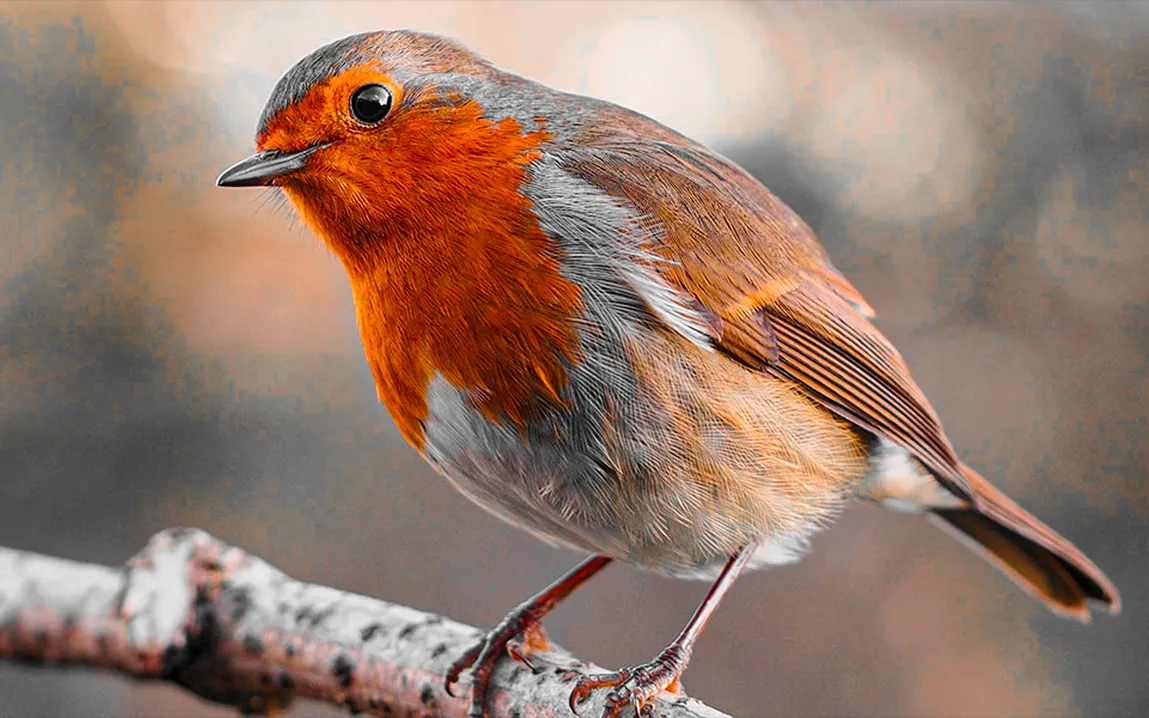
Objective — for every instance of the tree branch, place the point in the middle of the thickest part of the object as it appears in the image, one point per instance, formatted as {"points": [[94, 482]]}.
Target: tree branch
{"points": [[229, 627]]}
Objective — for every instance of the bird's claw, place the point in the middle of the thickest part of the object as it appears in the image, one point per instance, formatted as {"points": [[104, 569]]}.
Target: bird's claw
{"points": [[636, 687], [461, 664], [518, 635], [590, 684]]}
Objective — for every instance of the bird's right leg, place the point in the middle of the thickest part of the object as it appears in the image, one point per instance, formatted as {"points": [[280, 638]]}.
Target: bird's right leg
{"points": [[518, 634]]}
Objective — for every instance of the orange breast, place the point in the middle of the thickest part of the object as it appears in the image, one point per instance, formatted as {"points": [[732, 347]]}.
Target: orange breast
{"points": [[495, 321], [451, 273]]}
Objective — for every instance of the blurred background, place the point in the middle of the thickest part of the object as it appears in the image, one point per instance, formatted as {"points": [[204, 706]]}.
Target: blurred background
{"points": [[175, 354]]}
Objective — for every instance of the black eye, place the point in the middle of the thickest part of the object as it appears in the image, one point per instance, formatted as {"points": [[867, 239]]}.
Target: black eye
{"points": [[370, 104]]}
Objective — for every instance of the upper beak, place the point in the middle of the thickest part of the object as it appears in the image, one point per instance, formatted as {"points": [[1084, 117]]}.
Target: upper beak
{"points": [[261, 168]]}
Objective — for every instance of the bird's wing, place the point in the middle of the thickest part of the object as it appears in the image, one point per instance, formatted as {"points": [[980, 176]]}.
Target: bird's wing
{"points": [[777, 303]]}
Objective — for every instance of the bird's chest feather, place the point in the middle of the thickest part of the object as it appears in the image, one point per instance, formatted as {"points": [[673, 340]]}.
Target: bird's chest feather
{"points": [[501, 333], [464, 285]]}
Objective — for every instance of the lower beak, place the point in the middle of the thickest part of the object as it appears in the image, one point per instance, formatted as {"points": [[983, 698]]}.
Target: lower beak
{"points": [[262, 168]]}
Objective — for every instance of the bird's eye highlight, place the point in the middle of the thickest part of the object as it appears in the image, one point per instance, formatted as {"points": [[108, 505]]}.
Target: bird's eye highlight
{"points": [[370, 104]]}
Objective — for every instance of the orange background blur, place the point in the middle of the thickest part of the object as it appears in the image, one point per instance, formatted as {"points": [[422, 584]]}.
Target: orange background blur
{"points": [[176, 354]]}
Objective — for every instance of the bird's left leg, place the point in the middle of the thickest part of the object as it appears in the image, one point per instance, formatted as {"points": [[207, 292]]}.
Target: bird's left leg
{"points": [[518, 634], [638, 685]]}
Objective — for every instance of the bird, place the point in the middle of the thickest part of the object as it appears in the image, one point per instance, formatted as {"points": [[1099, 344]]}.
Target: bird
{"points": [[613, 337]]}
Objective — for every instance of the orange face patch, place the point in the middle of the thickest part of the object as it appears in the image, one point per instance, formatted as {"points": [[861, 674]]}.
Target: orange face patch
{"points": [[323, 115], [451, 273]]}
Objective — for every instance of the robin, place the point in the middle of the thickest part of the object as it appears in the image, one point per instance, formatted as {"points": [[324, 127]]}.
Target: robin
{"points": [[613, 337]]}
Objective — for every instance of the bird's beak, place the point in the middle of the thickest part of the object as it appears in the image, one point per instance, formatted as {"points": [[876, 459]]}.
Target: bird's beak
{"points": [[261, 168]]}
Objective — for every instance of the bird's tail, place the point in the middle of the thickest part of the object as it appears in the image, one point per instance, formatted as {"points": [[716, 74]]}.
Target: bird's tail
{"points": [[1035, 556]]}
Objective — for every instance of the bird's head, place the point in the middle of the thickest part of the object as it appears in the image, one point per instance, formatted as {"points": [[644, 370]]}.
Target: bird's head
{"points": [[387, 134]]}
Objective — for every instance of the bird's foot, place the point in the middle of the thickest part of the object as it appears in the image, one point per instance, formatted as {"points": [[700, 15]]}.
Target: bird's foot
{"points": [[636, 687], [519, 634]]}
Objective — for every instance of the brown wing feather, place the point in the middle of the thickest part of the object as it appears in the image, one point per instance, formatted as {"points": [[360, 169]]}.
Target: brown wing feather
{"points": [[840, 358], [783, 307]]}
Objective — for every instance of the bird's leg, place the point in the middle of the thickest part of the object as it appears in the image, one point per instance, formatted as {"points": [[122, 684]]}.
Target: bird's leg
{"points": [[638, 685], [519, 633]]}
